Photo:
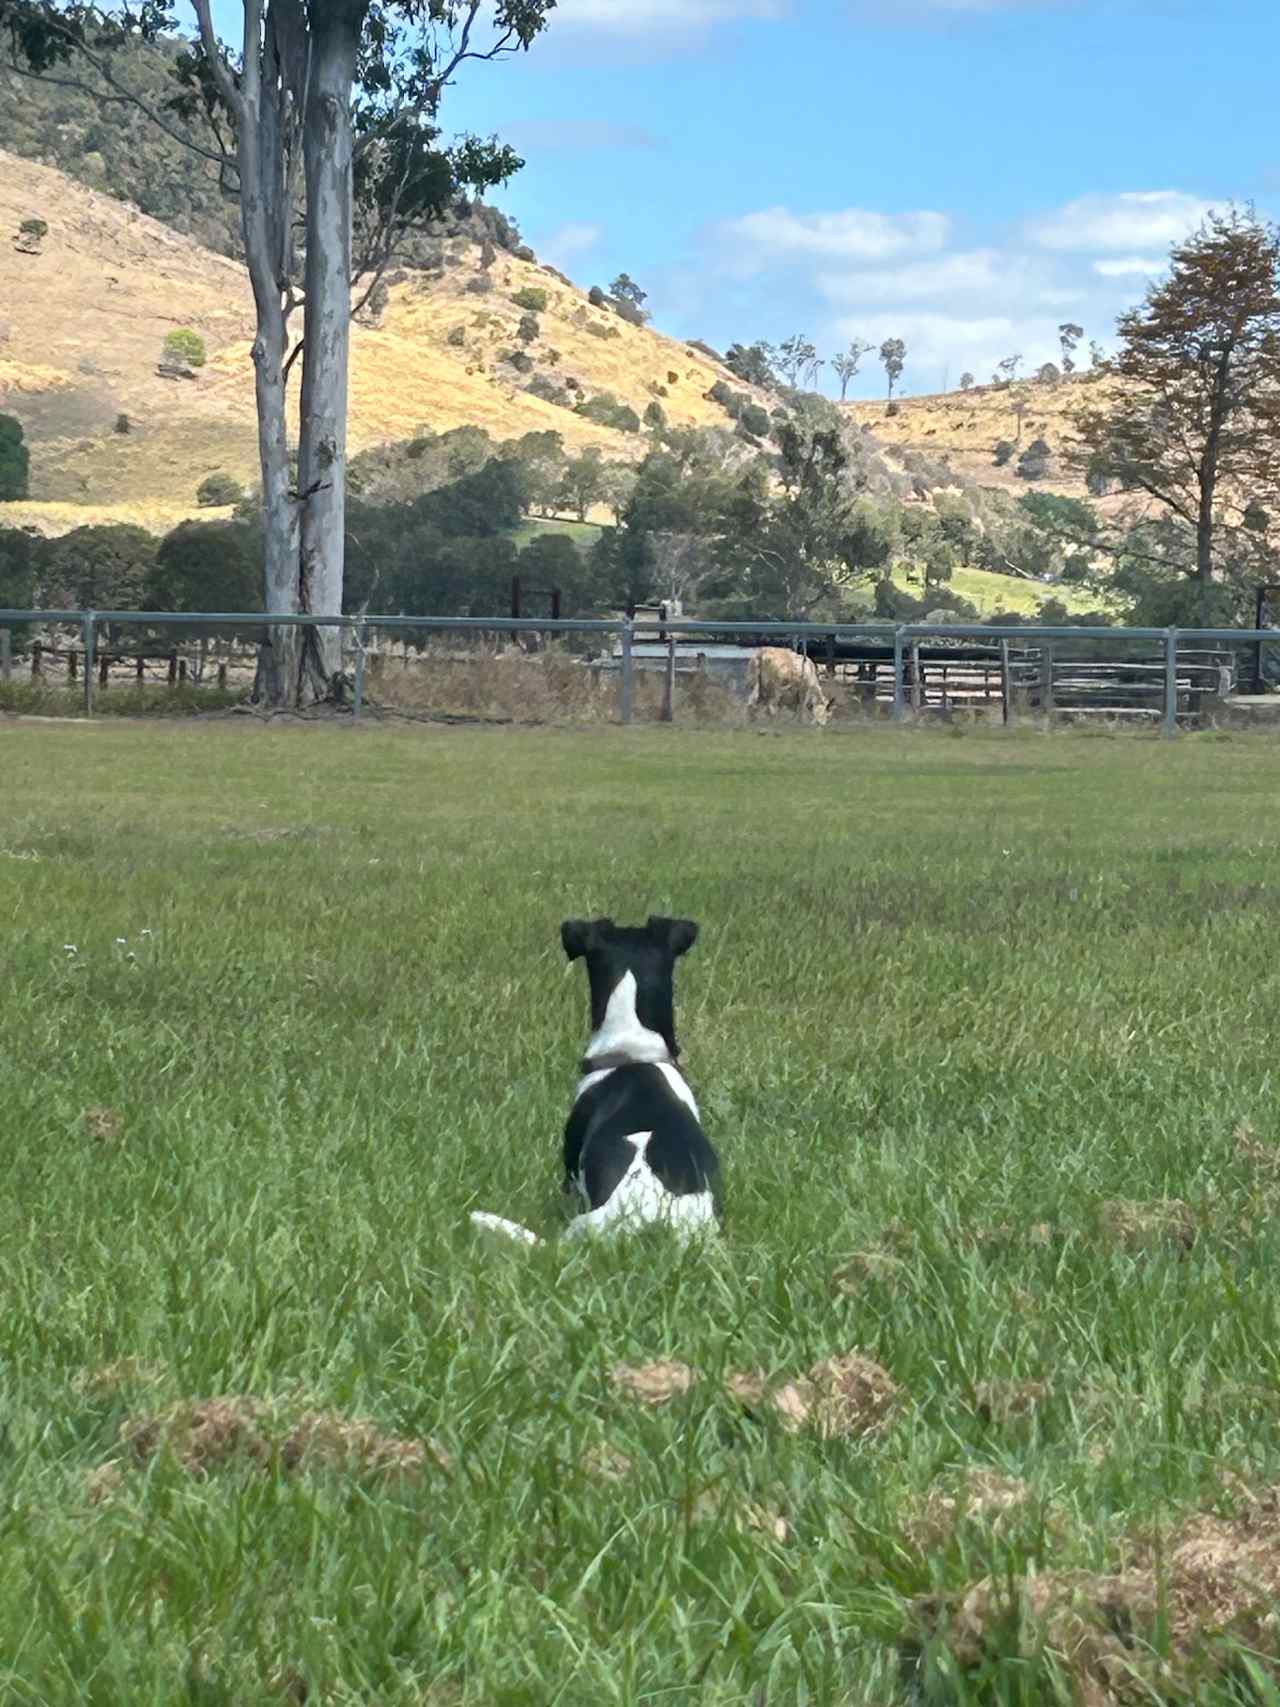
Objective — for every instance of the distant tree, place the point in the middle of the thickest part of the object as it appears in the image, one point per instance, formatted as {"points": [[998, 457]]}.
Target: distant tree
{"points": [[966, 381], [795, 356], [15, 461], [753, 364], [206, 566], [99, 568], [184, 345], [21, 557], [847, 363], [584, 482], [628, 300], [1048, 374], [1008, 368], [1033, 464], [220, 489], [893, 356], [625, 289], [554, 560], [1097, 355], [754, 420], [541, 458], [1195, 426], [1069, 335]]}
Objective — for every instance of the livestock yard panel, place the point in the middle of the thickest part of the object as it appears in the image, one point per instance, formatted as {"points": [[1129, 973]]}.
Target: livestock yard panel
{"points": [[984, 1028]]}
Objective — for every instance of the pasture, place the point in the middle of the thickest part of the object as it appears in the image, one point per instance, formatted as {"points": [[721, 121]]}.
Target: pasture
{"points": [[984, 1029]]}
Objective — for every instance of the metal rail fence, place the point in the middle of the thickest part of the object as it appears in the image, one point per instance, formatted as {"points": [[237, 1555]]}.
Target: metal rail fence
{"points": [[1018, 650]]}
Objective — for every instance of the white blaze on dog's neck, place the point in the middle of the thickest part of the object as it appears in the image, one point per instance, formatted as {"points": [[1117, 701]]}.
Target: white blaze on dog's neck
{"points": [[621, 1032]]}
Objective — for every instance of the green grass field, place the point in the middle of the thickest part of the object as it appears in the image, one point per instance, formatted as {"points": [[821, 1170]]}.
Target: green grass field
{"points": [[984, 1028]]}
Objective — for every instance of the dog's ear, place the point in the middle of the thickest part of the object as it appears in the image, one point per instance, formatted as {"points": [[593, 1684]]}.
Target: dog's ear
{"points": [[579, 935], [677, 936]]}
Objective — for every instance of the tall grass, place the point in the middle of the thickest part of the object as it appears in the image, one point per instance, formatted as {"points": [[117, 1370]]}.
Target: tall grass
{"points": [[281, 1005]]}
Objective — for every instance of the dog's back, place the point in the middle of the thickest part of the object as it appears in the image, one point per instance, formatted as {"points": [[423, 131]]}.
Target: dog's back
{"points": [[635, 1149]]}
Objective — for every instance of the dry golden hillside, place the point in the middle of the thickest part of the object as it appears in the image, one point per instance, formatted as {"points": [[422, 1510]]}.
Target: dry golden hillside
{"points": [[83, 320], [966, 426]]}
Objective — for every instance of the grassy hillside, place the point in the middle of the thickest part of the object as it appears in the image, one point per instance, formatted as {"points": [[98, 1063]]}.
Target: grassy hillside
{"points": [[983, 1030], [966, 426], [83, 322]]}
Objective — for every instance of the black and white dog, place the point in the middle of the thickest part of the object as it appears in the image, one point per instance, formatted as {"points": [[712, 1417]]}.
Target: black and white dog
{"points": [[633, 1144]]}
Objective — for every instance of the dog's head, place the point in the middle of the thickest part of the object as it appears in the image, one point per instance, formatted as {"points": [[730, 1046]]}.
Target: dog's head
{"points": [[631, 971]]}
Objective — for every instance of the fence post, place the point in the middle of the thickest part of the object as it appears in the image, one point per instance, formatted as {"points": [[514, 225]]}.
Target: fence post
{"points": [[917, 694], [1006, 686], [104, 670], [88, 662], [626, 683], [1046, 677], [358, 700], [37, 659], [6, 655], [669, 683], [899, 709], [1170, 683]]}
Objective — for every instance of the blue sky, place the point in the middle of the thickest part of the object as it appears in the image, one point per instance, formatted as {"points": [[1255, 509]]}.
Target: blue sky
{"points": [[964, 174]]}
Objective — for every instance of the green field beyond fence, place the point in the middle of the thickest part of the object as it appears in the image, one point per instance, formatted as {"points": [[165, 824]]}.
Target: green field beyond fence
{"points": [[985, 1029]]}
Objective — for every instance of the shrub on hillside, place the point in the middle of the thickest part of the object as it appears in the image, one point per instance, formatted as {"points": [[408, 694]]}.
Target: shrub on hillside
{"points": [[596, 297], [184, 345], [705, 350], [479, 284], [629, 312], [1033, 464], [528, 329], [598, 331], [754, 420], [1003, 451], [543, 386], [218, 488], [520, 360], [15, 461], [606, 411], [532, 298], [123, 424], [655, 417]]}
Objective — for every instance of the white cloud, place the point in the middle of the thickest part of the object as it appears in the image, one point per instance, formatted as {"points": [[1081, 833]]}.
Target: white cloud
{"points": [[1128, 266], [855, 234], [633, 17], [992, 276], [1128, 222], [569, 241]]}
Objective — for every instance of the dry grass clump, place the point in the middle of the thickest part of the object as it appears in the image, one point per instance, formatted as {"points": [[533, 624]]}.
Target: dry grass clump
{"points": [[104, 1124], [839, 1397], [203, 1435], [1213, 1584], [1145, 1227], [107, 1379], [979, 1499], [1256, 1153], [653, 1383]]}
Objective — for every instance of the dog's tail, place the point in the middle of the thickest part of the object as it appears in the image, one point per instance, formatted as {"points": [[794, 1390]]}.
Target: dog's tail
{"points": [[509, 1229]]}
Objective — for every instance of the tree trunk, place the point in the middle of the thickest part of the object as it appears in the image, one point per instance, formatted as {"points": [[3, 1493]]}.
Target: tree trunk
{"points": [[322, 450], [265, 119], [1208, 481]]}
